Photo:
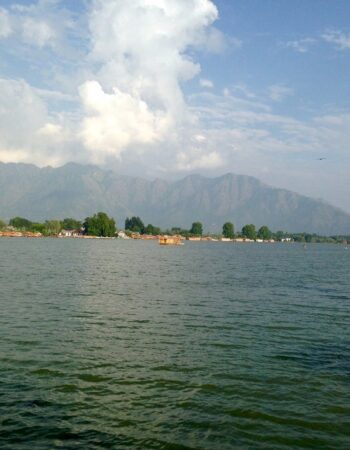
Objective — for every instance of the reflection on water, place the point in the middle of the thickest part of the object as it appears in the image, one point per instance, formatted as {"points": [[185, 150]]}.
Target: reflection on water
{"points": [[119, 344]]}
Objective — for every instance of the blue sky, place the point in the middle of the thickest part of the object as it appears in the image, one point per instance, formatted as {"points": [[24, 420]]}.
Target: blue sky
{"points": [[164, 88]]}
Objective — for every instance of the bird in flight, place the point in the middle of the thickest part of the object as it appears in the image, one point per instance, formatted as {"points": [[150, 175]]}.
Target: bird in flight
{"points": [[321, 159]]}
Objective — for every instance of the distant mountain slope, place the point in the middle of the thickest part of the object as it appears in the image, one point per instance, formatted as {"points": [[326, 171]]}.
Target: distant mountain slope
{"points": [[77, 191]]}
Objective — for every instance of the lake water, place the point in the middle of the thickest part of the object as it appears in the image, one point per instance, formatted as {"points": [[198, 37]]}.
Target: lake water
{"points": [[124, 344]]}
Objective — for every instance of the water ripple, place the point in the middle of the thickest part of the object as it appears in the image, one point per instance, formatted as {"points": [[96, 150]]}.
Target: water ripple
{"points": [[110, 344]]}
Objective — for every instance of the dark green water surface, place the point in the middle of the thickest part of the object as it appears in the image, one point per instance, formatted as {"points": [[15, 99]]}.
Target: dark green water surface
{"points": [[123, 344]]}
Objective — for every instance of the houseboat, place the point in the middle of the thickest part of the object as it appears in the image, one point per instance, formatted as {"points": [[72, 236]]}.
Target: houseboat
{"points": [[170, 240]]}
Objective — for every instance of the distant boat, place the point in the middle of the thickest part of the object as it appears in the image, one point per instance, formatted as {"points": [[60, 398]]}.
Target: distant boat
{"points": [[170, 240]]}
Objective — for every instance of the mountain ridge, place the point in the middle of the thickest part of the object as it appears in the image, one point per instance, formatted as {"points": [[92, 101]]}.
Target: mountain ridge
{"points": [[76, 190]]}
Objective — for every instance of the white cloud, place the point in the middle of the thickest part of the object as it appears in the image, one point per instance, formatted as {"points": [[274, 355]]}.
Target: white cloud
{"points": [[279, 92], [21, 112], [37, 32], [199, 138], [39, 24], [244, 127], [337, 37], [216, 42], [203, 82], [130, 95], [242, 88], [136, 95], [51, 129], [52, 95], [196, 159], [118, 119], [28, 133], [5, 25], [301, 45]]}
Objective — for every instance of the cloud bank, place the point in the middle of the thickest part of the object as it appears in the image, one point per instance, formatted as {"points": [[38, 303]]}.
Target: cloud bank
{"points": [[5, 25], [136, 97], [337, 37], [129, 82]]}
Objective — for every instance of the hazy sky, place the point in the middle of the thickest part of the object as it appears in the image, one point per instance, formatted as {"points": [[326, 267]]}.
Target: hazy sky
{"points": [[170, 87]]}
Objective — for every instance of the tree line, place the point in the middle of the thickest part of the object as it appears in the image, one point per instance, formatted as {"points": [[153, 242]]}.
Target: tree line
{"points": [[97, 225], [100, 224], [248, 231]]}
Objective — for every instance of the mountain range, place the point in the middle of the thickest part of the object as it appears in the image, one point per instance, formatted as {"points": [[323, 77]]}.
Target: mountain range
{"points": [[78, 191]]}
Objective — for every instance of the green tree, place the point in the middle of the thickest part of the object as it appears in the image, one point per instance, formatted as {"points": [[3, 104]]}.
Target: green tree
{"points": [[309, 237], [150, 229], [38, 228], [21, 223], [249, 231], [264, 233], [135, 225], [178, 230], [52, 227], [228, 230], [197, 229], [99, 225], [71, 224], [279, 235], [2, 224], [298, 237]]}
